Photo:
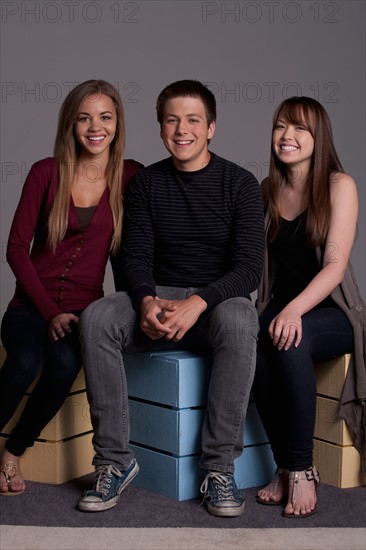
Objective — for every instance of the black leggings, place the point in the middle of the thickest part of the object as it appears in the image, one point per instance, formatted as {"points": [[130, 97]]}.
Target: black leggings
{"points": [[30, 351], [285, 385]]}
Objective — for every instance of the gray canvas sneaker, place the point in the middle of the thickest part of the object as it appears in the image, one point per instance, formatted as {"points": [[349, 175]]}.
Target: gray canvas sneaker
{"points": [[109, 484]]}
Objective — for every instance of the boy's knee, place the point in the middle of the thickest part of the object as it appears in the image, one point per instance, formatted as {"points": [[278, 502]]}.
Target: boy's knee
{"points": [[93, 320], [238, 312], [106, 316], [89, 320], [237, 319]]}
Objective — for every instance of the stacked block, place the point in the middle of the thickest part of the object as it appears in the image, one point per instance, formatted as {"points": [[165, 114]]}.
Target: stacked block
{"points": [[64, 449], [338, 461], [168, 393]]}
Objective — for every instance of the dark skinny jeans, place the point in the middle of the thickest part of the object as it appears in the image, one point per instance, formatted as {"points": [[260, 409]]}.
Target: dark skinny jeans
{"points": [[285, 385], [29, 351]]}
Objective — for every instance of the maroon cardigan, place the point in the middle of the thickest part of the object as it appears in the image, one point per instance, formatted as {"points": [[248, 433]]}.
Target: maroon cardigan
{"points": [[72, 277]]}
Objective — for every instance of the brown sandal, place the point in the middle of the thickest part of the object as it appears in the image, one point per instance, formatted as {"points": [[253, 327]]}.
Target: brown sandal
{"points": [[10, 470], [280, 472], [298, 485]]}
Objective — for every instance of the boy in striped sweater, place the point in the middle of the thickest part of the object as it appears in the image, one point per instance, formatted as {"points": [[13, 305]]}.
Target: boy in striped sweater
{"points": [[192, 252]]}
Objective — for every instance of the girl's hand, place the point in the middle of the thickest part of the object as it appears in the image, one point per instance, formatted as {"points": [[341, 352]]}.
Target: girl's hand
{"points": [[286, 329], [61, 324]]}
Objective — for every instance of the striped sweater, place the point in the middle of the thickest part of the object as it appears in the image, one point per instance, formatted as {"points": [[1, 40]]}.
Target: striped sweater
{"points": [[200, 229]]}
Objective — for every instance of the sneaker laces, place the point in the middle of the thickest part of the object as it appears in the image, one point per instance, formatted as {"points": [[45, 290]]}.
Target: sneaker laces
{"points": [[104, 478], [223, 483]]}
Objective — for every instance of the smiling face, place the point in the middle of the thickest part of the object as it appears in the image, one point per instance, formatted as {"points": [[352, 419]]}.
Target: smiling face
{"points": [[293, 143], [185, 131], [95, 126]]}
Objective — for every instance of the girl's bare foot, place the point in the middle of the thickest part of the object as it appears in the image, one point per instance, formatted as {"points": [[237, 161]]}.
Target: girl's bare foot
{"points": [[274, 493], [11, 479], [302, 498]]}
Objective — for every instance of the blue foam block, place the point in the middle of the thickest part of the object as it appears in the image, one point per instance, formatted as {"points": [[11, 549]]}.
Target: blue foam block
{"points": [[178, 431], [181, 478], [179, 379]]}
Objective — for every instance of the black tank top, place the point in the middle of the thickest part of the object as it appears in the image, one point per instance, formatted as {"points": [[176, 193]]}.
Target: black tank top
{"points": [[295, 261]]}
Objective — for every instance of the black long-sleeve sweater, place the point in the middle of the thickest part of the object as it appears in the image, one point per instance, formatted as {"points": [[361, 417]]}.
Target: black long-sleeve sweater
{"points": [[199, 229]]}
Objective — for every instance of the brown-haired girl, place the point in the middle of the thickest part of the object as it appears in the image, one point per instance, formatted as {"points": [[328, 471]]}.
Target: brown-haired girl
{"points": [[308, 301]]}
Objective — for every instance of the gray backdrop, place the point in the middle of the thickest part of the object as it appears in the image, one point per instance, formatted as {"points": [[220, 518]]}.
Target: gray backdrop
{"points": [[251, 53]]}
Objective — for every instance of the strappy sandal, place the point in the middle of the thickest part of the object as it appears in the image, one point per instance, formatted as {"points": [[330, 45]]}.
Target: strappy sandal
{"points": [[298, 485], [10, 470], [280, 472]]}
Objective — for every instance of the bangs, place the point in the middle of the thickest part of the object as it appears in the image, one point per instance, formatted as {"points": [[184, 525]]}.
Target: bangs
{"points": [[296, 111]]}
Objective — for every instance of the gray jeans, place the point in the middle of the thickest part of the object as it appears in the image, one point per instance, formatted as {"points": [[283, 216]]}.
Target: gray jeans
{"points": [[110, 326]]}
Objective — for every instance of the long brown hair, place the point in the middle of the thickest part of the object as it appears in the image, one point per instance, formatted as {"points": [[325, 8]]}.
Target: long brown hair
{"points": [[67, 151], [324, 162]]}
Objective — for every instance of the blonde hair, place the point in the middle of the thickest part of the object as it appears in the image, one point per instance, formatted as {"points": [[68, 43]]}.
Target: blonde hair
{"points": [[67, 151], [324, 162]]}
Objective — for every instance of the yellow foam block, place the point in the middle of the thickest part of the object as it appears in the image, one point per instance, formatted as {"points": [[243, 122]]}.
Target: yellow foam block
{"points": [[328, 425], [338, 466], [72, 419], [57, 462], [330, 376]]}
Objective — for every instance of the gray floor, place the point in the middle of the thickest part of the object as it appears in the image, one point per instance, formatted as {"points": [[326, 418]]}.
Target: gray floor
{"points": [[45, 517], [51, 538]]}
